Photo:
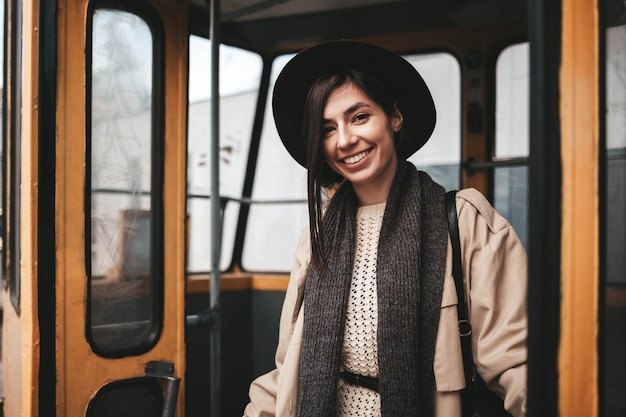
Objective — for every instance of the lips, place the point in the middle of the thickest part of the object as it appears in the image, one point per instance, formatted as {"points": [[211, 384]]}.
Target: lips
{"points": [[356, 158]]}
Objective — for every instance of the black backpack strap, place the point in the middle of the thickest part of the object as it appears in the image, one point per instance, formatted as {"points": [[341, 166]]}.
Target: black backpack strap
{"points": [[465, 328]]}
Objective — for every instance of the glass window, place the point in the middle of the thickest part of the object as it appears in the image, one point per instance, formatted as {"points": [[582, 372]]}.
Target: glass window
{"points": [[12, 151], [273, 229], [124, 243], [511, 139], [137, 397], [240, 75], [441, 156], [613, 336]]}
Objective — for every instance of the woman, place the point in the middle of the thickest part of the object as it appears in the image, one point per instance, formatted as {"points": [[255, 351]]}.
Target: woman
{"points": [[369, 324]]}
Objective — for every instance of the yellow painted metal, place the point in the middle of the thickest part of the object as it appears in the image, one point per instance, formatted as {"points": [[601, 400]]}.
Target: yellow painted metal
{"points": [[578, 355], [239, 281], [20, 353], [80, 372]]}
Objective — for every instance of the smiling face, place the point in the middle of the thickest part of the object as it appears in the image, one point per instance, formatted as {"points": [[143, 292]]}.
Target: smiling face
{"points": [[358, 142]]}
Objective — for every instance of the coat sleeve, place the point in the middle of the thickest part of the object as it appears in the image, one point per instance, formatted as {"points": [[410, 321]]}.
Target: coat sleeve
{"points": [[263, 390], [495, 274]]}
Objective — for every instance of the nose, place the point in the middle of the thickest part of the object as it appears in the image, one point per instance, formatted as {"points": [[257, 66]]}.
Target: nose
{"points": [[346, 138]]}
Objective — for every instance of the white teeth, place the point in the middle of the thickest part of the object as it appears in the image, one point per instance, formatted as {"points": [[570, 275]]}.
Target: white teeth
{"points": [[356, 158]]}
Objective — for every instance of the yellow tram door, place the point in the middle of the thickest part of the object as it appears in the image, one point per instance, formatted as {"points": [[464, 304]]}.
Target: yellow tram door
{"points": [[120, 207]]}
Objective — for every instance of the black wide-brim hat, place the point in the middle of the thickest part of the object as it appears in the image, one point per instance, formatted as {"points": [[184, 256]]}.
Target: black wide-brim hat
{"points": [[292, 86]]}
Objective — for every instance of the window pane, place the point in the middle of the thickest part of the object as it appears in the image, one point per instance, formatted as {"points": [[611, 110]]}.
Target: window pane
{"points": [[122, 269], [13, 144], [511, 197], [441, 156], [613, 338], [138, 397], [273, 229], [240, 74], [511, 140], [512, 94]]}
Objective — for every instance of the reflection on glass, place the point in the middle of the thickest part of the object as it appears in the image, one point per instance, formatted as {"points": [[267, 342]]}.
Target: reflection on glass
{"points": [[121, 284], [512, 139], [613, 338]]}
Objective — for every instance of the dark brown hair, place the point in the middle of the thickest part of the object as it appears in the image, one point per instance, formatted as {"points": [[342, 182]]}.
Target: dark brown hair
{"points": [[320, 175]]}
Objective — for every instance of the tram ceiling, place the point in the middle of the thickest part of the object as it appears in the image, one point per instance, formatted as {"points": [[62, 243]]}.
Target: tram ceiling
{"points": [[281, 25]]}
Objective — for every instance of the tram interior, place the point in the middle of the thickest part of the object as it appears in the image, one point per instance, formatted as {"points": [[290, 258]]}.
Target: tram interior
{"points": [[290, 25], [253, 33]]}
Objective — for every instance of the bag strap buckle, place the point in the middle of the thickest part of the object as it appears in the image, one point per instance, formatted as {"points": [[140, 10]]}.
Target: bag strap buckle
{"points": [[465, 328]]}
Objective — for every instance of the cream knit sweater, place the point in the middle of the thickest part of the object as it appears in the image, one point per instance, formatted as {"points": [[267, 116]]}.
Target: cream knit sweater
{"points": [[360, 347]]}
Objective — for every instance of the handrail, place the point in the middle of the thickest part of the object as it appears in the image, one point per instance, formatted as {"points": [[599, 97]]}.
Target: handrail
{"points": [[241, 200], [217, 208], [471, 165], [249, 201]]}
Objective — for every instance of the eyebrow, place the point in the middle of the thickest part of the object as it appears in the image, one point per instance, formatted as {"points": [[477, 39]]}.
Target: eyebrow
{"points": [[356, 106]]}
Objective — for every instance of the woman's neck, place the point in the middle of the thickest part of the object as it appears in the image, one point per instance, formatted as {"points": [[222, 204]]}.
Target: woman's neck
{"points": [[375, 192], [371, 197]]}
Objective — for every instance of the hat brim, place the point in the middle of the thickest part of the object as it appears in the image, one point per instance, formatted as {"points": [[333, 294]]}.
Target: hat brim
{"points": [[292, 86]]}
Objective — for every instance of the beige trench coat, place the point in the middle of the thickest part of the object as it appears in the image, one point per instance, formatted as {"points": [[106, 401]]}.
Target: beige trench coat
{"points": [[495, 273]]}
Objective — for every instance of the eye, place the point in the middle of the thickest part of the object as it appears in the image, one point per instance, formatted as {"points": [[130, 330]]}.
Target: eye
{"points": [[327, 131], [361, 117]]}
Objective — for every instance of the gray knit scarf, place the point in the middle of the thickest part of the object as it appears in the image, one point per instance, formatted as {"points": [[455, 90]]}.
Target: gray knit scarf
{"points": [[409, 278]]}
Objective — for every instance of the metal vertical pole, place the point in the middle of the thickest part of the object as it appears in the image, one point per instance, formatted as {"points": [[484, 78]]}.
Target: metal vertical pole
{"points": [[544, 210], [215, 213]]}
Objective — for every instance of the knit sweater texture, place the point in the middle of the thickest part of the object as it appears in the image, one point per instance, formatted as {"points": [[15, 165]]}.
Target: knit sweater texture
{"points": [[410, 270]]}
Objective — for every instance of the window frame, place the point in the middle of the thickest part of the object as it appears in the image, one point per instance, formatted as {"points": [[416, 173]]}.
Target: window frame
{"points": [[152, 19]]}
